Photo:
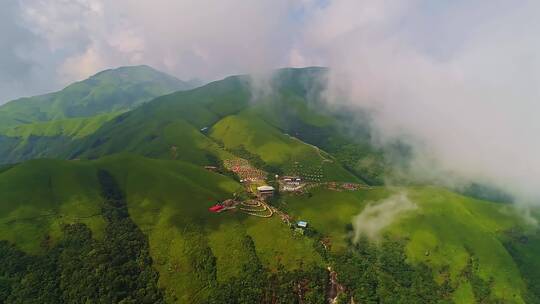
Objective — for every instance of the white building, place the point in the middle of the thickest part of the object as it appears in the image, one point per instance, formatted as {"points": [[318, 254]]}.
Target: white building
{"points": [[302, 224], [265, 190]]}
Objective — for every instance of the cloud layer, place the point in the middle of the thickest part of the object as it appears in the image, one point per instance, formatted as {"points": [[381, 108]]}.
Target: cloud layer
{"points": [[461, 82], [459, 79], [69, 40]]}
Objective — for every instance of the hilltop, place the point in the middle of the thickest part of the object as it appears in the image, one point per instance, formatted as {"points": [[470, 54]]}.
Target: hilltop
{"points": [[41, 126], [108, 91]]}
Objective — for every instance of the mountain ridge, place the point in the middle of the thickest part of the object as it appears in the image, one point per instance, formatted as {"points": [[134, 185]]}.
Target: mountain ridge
{"points": [[110, 90]]}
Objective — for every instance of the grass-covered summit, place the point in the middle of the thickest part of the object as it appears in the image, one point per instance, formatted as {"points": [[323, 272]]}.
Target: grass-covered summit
{"points": [[44, 125], [113, 90]]}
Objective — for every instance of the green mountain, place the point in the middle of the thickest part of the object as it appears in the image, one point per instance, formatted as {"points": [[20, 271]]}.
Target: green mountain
{"points": [[120, 215], [466, 250], [464, 242], [109, 91], [43, 125], [287, 121], [168, 200], [47, 138], [175, 120]]}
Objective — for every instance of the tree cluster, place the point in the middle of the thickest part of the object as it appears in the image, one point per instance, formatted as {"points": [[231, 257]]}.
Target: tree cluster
{"points": [[372, 274], [256, 161], [80, 269], [260, 285]]}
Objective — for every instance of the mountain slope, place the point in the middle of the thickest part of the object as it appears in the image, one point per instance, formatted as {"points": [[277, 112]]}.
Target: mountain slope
{"points": [[197, 122], [38, 196], [170, 121], [462, 240], [71, 127], [100, 226], [109, 91], [175, 122], [192, 249], [47, 138], [44, 126], [199, 254], [246, 130]]}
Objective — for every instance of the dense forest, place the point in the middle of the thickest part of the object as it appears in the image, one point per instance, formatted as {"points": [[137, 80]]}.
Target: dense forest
{"points": [[518, 245], [80, 269]]}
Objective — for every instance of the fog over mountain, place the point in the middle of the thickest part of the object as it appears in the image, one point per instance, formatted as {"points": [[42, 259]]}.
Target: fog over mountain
{"points": [[53, 43], [461, 83], [458, 80]]}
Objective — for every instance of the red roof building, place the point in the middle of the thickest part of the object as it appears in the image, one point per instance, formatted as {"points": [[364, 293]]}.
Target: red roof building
{"points": [[216, 208]]}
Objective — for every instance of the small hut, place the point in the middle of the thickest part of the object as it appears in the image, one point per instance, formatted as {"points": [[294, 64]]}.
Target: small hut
{"points": [[265, 191]]}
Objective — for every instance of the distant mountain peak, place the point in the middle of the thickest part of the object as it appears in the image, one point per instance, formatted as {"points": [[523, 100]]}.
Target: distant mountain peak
{"points": [[111, 90]]}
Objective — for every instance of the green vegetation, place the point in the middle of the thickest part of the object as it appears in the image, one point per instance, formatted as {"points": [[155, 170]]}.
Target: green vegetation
{"points": [[5, 167], [372, 274], [50, 125], [38, 197], [106, 92], [169, 122], [245, 133], [80, 269], [488, 193], [207, 263], [170, 127], [126, 219], [176, 140], [168, 200], [50, 138], [462, 240], [330, 212], [524, 247], [72, 127], [455, 229], [174, 122], [294, 108], [185, 238]]}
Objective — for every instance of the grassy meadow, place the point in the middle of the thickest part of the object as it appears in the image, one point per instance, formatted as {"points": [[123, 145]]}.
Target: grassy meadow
{"points": [[447, 231]]}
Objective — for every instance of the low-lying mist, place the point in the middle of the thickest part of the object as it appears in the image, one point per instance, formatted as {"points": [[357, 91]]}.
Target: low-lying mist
{"points": [[377, 216], [460, 84]]}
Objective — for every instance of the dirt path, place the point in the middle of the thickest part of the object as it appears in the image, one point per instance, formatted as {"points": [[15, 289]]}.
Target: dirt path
{"points": [[256, 208], [324, 159]]}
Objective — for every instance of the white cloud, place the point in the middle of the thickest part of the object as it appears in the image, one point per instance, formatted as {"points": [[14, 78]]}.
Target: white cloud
{"points": [[205, 39], [377, 216], [83, 64], [471, 108], [460, 79]]}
